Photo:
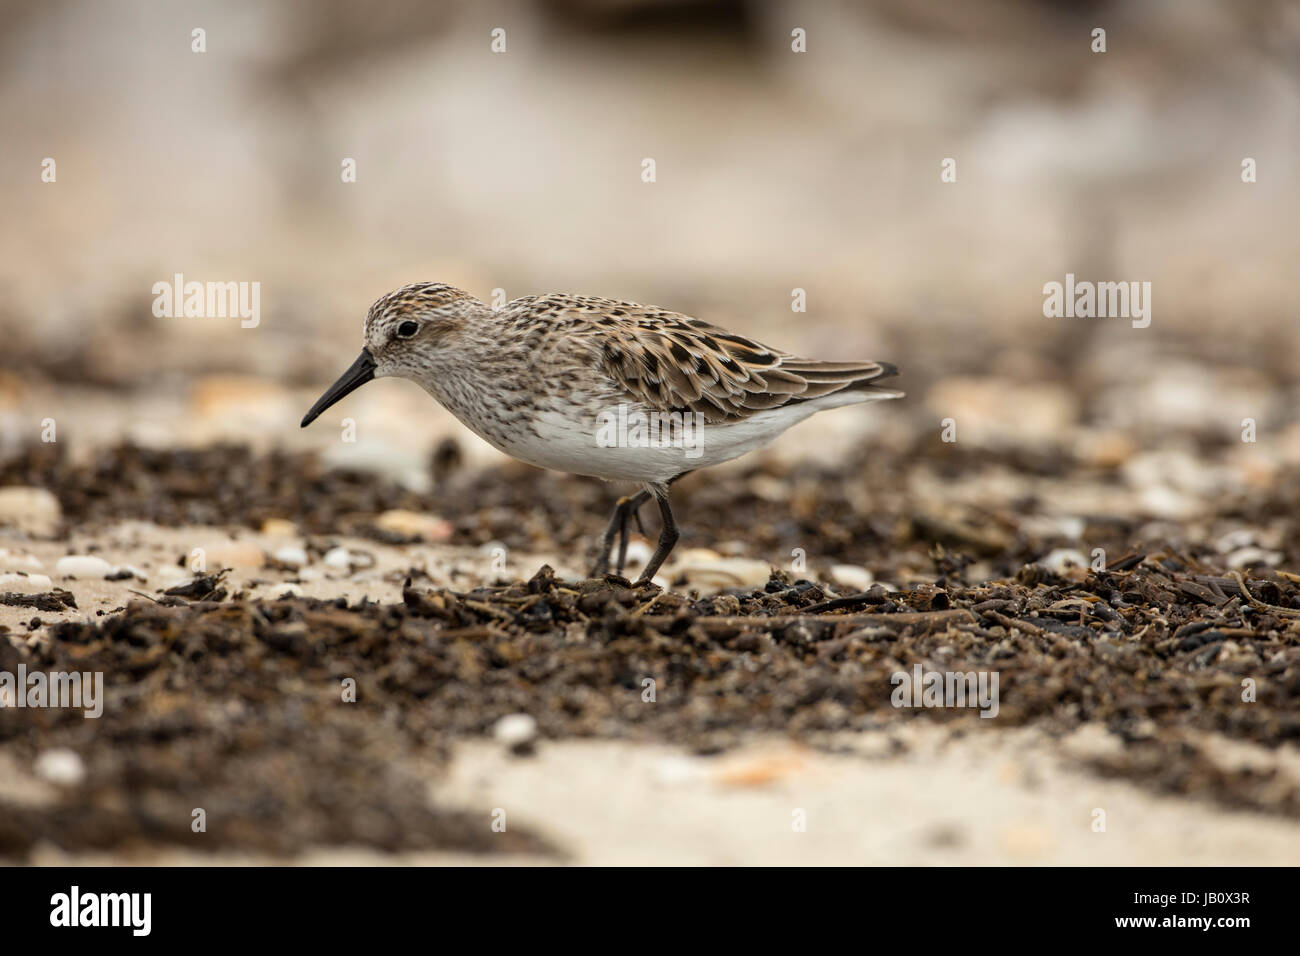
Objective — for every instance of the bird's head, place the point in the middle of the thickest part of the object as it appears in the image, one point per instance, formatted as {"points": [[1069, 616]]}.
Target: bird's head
{"points": [[406, 333]]}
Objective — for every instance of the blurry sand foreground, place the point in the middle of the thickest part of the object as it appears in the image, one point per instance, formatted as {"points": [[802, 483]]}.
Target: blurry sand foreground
{"points": [[996, 798]]}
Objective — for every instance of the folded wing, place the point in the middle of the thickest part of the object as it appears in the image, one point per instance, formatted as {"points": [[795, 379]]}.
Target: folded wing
{"points": [[675, 363]]}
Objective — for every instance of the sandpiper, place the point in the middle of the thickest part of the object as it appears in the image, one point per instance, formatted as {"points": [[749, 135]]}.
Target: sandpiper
{"points": [[555, 380]]}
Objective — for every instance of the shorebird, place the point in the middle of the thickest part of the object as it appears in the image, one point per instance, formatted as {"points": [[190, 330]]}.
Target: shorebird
{"points": [[598, 387]]}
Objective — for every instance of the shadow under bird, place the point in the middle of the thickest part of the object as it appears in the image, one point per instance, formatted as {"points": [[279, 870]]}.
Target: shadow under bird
{"points": [[598, 387]]}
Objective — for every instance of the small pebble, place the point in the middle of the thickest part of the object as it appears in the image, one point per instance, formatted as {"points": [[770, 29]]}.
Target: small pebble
{"points": [[25, 583], [709, 571], [1252, 557], [279, 528], [83, 566], [339, 558], [518, 732], [11, 560], [60, 766], [1062, 558], [414, 524], [852, 576], [232, 554], [292, 555]]}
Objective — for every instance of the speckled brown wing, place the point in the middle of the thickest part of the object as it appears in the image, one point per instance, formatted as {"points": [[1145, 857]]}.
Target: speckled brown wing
{"points": [[676, 363]]}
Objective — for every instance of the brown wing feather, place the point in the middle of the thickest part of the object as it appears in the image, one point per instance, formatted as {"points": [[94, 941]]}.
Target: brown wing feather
{"points": [[672, 362]]}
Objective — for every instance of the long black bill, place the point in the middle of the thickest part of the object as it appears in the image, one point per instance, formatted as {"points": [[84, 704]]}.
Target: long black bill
{"points": [[360, 372]]}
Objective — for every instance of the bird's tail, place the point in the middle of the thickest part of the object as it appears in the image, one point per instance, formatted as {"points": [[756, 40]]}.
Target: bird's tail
{"points": [[830, 378]]}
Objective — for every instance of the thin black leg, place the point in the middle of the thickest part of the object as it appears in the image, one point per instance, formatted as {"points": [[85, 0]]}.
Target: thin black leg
{"points": [[633, 514], [667, 538], [616, 521], [624, 509]]}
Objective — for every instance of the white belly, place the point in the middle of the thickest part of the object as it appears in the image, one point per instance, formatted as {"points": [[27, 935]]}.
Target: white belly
{"points": [[629, 454], [618, 446]]}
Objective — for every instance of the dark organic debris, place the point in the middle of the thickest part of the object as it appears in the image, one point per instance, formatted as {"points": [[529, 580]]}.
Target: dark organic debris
{"points": [[55, 600], [235, 706], [203, 587]]}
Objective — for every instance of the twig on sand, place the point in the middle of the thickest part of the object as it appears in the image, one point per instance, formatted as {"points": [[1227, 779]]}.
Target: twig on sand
{"points": [[1257, 603]]}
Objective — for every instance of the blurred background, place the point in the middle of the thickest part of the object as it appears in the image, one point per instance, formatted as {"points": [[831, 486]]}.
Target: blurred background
{"points": [[1175, 448], [775, 170]]}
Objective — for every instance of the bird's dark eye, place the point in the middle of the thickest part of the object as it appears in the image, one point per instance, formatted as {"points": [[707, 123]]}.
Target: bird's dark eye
{"points": [[407, 329]]}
